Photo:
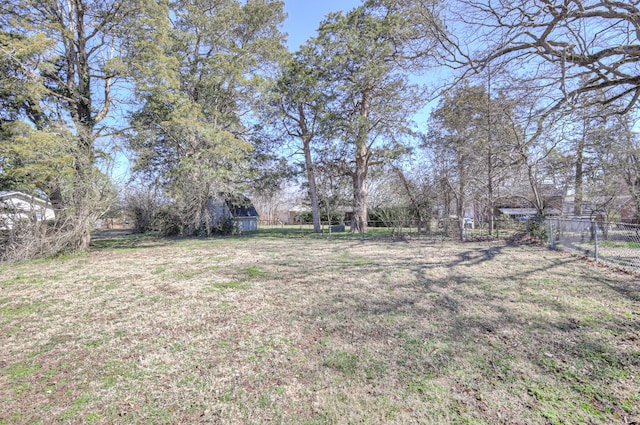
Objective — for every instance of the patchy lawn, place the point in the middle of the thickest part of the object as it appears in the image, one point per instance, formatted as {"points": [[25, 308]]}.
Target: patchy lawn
{"points": [[303, 330]]}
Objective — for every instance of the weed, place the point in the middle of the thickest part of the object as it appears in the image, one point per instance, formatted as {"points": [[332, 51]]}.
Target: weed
{"points": [[324, 341], [76, 407], [226, 306], [21, 371], [264, 401], [342, 361], [96, 342], [230, 285], [23, 279], [11, 311], [375, 369], [413, 344], [255, 272], [92, 417]]}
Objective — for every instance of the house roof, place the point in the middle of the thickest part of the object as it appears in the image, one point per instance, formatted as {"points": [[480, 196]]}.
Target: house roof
{"points": [[6, 195], [518, 211], [528, 211]]}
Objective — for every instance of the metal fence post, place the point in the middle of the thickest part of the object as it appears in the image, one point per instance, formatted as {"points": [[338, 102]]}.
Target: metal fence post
{"points": [[595, 240]]}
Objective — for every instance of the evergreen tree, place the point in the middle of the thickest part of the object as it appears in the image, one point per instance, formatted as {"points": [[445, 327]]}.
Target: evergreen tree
{"points": [[365, 57], [193, 132]]}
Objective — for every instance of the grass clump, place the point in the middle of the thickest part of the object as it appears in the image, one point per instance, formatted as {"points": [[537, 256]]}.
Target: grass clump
{"points": [[343, 361], [235, 285], [255, 272]]}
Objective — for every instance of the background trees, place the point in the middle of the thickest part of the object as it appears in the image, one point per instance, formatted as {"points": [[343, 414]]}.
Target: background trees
{"points": [[546, 96], [69, 94], [193, 131], [471, 143], [365, 57]]}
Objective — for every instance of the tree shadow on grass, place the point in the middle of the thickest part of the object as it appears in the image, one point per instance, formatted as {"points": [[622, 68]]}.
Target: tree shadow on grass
{"points": [[625, 288], [106, 241], [548, 356]]}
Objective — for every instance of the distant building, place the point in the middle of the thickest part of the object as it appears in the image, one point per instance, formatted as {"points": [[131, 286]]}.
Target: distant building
{"points": [[17, 206]]}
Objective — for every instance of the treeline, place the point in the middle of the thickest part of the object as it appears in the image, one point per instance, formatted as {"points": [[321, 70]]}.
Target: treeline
{"points": [[205, 98]]}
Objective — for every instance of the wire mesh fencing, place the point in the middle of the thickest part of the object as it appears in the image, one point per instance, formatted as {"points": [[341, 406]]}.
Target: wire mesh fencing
{"points": [[614, 243], [500, 227], [374, 226]]}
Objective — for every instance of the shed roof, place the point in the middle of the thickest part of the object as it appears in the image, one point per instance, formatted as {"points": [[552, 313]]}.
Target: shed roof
{"points": [[241, 206]]}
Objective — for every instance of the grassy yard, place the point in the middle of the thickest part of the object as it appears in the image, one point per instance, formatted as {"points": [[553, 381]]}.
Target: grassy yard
{"points": [[304, 330]]}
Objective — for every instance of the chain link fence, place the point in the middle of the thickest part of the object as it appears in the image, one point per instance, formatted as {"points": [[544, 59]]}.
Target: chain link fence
{"points": [[376, 227], [617, 244], [503, 227], [614, 243]]}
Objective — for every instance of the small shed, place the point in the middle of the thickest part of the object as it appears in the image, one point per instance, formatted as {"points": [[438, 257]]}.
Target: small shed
{"points": [[243, 213], [236, 207], [16, 206]]}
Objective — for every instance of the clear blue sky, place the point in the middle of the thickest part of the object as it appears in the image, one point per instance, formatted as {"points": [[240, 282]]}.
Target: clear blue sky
{"points": [[304, 16]]}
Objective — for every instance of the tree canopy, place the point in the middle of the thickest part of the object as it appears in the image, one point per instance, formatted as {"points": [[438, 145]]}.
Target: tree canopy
{"points": [[205, 99]]}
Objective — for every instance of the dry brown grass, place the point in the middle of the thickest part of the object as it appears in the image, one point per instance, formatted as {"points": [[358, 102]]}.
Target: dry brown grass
{"points": [[318, 331]]}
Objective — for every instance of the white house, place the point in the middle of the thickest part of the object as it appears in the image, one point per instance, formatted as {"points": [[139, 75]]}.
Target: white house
{"points": [[16, 206]]}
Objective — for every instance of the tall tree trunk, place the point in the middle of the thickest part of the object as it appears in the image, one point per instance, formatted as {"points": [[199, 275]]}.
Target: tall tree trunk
{"points": [[490, 189], [360, 214], [79, 86], [538, 202], [307, 136], [632, 179], [83, 207], [489, 157], [577, 207], [461, 197], [446, 190], [311, 180], [363, 154]]}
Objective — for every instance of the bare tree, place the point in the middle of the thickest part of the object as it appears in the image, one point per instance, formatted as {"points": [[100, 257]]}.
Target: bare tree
{"points": [[576, 47], [627, 157]]}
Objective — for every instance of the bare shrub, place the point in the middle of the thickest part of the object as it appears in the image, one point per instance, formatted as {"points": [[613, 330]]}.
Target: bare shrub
{"points": [[25, 239], [144, 206], [195, 216], [397, 218]]}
